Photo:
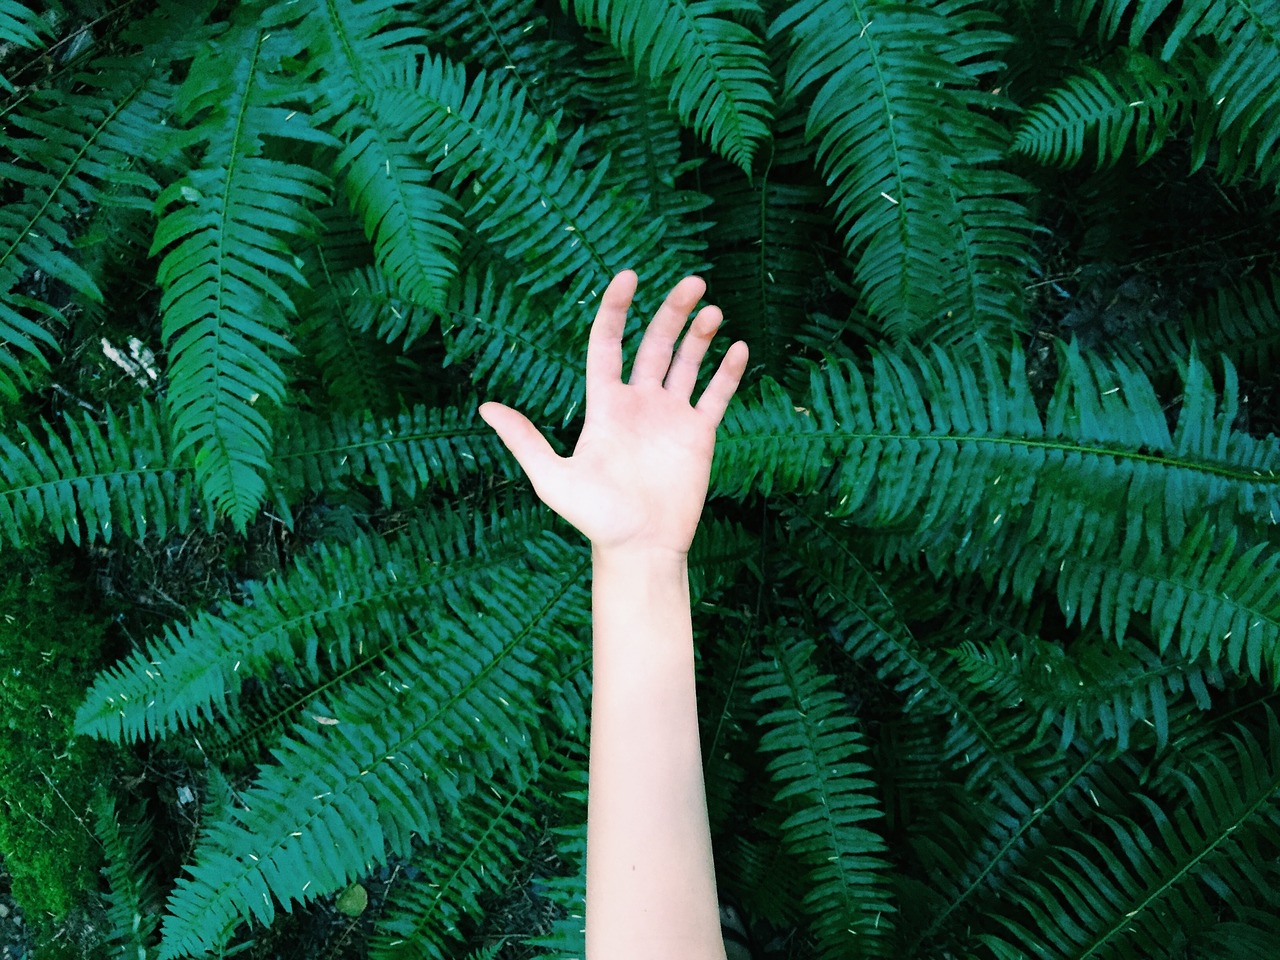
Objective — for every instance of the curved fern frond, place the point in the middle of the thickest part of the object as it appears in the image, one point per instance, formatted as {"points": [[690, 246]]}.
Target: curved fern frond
{"points": [[976, 452], [503, 338], [630, 122], [1240, 319], [818, 767], [527, 197], [765, 258], [119, 478], [133, 904], [719, 76], [102, 480], [321, 611], [971, 851], [413, 227], [248, 730], [1225, 607], [418, 449], [79, 144], [22, 27], [1144, 15], [859, 605], [567, 892], [233, 219], [359, 374], [1255, 923], [476, 854], [347, 794], [890, 80], [513, 36], [1095, 689], [991, 253], [1242, 81], [1133, 96], [368, 303], [1125, 893]]}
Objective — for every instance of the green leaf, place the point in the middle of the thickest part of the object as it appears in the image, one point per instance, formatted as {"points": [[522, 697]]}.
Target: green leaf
{"points": [[352, 901]]}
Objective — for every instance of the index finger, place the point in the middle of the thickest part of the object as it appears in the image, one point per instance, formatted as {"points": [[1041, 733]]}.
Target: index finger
{"points": [[604, 348]]}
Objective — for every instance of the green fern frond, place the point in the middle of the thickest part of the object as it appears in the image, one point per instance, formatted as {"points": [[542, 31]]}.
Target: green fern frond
{"points": [[1242, 80], [970, 851], [527, 196], [1131, 97], [348, 794], [1244, 83], [1255, 922], [368, 303], [866, 622], [764, 879], [477, 854], [1224, 604], [413, 226], [1112, 12], [567, 937], [77, 146], [991, 254], [1101, 471], [422, 918], [974, 855], [631, 123], [1124, 892], [719, 76], [360, 374], [118, 478], [197, 667], [513, 36], [501, 336], [1214, 598], [1094, 688], [231, 221], [24, 29], [818, 764], [423, 448], [890, 79], [132, 906], [765, 260], [1240, 319], [100, 481]]}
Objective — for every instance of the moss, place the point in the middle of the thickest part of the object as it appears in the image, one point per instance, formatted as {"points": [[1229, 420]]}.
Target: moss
{"points": [[51, 646]]}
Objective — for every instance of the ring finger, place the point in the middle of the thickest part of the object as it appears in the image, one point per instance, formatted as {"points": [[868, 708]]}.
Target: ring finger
{"points": [[688, 360]]}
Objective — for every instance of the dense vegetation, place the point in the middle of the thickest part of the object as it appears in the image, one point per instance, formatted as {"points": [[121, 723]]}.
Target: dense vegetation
{"points": [[987, 613]]}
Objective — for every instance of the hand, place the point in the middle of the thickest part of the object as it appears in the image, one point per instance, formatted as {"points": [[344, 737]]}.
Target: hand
{"points": [[638, 476]]}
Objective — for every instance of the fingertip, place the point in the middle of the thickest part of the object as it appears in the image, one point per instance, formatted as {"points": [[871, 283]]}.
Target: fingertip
{"points": [[623, 284]]}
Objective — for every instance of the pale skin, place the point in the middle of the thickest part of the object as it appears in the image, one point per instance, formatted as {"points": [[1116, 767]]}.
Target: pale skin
{"points": [[638, 475], [635, 487]]}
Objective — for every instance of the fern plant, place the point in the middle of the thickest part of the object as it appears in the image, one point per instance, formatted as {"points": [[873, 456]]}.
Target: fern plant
{"points": [[987, 623]]}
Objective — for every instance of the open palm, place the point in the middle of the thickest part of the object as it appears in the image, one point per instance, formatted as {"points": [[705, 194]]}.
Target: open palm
{"points": [[639, 472]]}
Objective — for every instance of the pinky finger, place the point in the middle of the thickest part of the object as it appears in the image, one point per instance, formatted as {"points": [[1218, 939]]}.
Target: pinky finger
{"points": [[715, 399]]}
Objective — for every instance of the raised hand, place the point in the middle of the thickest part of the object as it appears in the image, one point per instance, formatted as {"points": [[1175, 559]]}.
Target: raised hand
{"points": [[638, 475]]}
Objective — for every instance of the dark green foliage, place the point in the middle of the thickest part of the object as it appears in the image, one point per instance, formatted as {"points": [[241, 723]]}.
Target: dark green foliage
{"points": [[134, 897], [52, 644], [987, 590]]}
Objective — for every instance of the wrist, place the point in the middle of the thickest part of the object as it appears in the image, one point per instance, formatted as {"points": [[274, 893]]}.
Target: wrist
{"points": [[639, 554]]}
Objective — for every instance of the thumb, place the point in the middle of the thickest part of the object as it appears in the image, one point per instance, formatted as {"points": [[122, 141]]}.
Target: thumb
{"points": [[523, 439]]}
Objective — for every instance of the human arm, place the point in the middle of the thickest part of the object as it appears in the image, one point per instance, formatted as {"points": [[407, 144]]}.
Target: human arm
{"points": [[635, 486], [651, 890]]}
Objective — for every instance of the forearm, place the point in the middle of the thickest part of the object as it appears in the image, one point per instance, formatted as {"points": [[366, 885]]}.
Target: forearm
{"points": [[651, 891]]}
